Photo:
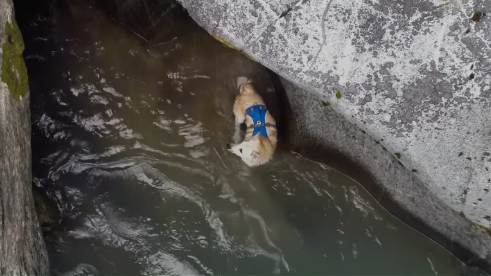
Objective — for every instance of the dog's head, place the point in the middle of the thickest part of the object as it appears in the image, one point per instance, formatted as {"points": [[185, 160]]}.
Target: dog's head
{"points": [[252, 152]]}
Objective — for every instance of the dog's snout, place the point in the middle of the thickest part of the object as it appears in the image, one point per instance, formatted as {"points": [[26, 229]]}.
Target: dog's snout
{"points": [[229, 146]]}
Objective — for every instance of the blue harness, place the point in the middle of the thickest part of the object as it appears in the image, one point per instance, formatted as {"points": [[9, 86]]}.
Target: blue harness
{"points": [[257, 113]]}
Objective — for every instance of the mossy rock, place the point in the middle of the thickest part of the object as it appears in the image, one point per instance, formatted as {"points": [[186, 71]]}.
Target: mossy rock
{"points": [[230, 46], [14, 71]]}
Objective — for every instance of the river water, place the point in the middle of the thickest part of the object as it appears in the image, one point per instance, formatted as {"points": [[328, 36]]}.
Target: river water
{"points": [[129, 136]]}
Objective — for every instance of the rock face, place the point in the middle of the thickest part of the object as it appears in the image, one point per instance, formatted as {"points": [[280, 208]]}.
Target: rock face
{"points": [[22, 249], [413, 74], [323, 134]]}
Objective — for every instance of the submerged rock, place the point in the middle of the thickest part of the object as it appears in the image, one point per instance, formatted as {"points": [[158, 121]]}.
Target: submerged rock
{"points": [[22, 249]]}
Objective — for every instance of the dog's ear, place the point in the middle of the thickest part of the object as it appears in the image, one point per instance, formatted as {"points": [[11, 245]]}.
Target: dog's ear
{"points": [[254, 154]]}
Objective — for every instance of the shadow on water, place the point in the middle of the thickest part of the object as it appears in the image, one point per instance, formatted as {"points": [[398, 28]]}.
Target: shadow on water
{"points": [[129, 134]]}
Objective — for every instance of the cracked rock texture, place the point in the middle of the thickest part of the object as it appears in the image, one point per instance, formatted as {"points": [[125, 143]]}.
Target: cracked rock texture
{"points": [[22, 249], [413, 74]]}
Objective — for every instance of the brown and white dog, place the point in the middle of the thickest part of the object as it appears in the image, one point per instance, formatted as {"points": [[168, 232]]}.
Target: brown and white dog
{"points": [[260, 139]]}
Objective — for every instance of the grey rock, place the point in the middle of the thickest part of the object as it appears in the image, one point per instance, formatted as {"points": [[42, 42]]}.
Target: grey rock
{"points": [[22, 249], [413, 74], [321, 133]]}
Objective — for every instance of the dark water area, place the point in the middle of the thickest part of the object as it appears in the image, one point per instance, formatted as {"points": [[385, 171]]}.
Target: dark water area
{"points": [[131, 114]]}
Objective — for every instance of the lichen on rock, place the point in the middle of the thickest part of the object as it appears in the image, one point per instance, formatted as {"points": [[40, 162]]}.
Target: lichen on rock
{"points": [[485, 229], [230, 45], [14, 71]]}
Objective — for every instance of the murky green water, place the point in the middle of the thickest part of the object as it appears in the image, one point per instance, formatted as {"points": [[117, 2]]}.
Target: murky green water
{"points": [[129, 139]]}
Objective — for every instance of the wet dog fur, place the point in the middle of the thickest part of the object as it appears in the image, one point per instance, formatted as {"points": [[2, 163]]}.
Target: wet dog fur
{"points": [[253, 150]]}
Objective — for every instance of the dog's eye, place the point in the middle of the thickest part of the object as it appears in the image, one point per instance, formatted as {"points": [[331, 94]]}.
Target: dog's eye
{"points": [[240, 150]]}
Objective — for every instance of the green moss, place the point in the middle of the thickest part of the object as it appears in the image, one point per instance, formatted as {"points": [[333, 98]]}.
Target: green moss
{"points": [[338, 95], [477, 16], [230, 46], [14, 71], [326, 103]]}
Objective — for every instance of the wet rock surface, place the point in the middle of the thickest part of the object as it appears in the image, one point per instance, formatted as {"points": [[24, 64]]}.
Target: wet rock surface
{"points": [[22, 249]]}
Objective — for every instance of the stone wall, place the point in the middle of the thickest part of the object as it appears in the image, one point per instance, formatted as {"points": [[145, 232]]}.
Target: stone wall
{"points": [[22, 249]]}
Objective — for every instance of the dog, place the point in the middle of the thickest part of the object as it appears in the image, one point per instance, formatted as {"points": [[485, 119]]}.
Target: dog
{"points": [[260, 139]]}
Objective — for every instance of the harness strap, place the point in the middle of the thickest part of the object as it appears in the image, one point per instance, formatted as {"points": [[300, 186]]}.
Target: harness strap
{"points": [[266, 125]]}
